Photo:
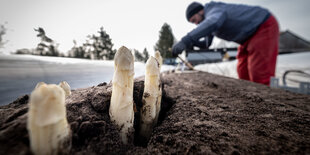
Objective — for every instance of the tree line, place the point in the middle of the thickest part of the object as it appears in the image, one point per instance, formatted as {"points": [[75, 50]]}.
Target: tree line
{"points": [[97, 46]]}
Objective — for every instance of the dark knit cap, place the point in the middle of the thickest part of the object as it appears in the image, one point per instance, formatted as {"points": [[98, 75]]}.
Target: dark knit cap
{"points": [[192, 9]]}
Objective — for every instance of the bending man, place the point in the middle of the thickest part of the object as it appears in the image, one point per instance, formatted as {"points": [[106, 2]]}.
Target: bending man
{"points": [[254, 28]]}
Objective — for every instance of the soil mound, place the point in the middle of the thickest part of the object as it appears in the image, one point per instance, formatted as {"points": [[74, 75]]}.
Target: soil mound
{"points": [[201, 113]]}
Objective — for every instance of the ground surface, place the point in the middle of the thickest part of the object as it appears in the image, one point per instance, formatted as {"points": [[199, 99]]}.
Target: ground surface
{"points": [[202, 114]]}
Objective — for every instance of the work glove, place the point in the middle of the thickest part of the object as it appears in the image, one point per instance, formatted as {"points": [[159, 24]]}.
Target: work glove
{"points": [[178, 48], [185, 44]]}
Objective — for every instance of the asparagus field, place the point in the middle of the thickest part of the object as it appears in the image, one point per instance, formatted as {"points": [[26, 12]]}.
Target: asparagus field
{"points": [[201, 113]]}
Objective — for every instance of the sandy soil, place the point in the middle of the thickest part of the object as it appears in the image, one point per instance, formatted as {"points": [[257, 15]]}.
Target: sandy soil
{"points": [[201, 113]]}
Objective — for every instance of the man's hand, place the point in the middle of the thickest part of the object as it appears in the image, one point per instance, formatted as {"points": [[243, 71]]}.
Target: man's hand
{"points": [[178, 48]]}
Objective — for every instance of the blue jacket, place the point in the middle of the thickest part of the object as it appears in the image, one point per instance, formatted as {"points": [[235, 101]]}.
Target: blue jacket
{"points": [[232, 22]]}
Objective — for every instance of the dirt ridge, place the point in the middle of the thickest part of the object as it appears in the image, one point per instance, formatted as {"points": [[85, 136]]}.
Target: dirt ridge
{"points": [[202, 113]]}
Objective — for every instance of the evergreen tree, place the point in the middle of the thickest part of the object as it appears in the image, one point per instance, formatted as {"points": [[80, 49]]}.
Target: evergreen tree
{"points": [[46, 47], [101, 46], [165, 42], [78, 51], [110, 56], [146, 54], [138, 56], [2, 33], [141, 56]]}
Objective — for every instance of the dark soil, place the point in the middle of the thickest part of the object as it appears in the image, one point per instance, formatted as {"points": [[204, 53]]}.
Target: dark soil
{"points": [[202, 114]]}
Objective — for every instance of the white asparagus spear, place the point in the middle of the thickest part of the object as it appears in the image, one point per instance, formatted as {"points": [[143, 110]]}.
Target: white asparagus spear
{"points": [[66, 87], [121, 107], [150, 98], [158, 104], [47, 123], [159, 59]]}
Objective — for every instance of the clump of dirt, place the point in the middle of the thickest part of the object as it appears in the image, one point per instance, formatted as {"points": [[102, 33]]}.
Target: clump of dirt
{"points": [[201, 113]]}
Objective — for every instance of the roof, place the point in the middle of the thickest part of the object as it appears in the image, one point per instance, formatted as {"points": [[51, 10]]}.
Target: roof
{"points": [[204, 56], [290, 42]]}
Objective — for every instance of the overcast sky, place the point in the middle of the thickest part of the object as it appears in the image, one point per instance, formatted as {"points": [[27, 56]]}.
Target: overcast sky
{"points": [[133, 23]]}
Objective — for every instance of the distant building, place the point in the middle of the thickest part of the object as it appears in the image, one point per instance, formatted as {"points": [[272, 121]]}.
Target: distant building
{"points": [[204, 57], [291, 43], [288, 43], [170, 61], [196, 57]]}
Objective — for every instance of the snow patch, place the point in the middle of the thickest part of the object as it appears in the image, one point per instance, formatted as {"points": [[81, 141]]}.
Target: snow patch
{"points": [[295, 61]]}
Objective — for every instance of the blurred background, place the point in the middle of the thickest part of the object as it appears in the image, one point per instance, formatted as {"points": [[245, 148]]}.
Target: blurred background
{"points": [[75, 40]]}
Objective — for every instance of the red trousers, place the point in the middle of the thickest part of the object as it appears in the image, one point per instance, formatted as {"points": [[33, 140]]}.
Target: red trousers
{"points": [[258, 55]]}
